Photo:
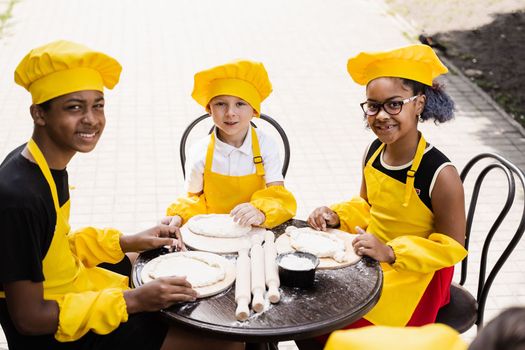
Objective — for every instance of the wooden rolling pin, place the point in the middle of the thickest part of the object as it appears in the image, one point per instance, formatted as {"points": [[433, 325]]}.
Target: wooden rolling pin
{"points": [[270, 267], [242, 286], [258, 285]]}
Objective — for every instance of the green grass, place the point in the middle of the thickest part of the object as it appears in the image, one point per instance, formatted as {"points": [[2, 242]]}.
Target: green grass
{"points": [[486, 85], [510, 105], [6, 15]]}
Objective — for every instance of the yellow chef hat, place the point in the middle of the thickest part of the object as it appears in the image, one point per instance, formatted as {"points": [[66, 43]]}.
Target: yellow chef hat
{"points": [[62, 67], [241, 78], [429, 337], [416, 62]]}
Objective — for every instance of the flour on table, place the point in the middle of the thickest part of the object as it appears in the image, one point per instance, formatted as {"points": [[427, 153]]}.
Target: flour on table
{"points": [[217, 225], [321, 244], [199, 270]]}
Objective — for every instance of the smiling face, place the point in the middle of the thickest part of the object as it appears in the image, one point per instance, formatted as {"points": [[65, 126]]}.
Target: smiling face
{"points": [[232, 116], [391, 129], [70, 123]]}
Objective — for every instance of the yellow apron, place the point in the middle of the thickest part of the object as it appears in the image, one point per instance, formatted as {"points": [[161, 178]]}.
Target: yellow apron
{"points": [[396, 211], [63, 271], [221, 193], [89, 298], [224, 192]]}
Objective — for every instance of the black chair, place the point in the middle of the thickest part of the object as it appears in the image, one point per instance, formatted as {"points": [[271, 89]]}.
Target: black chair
{"points": [[464, 310], [266, 118]]}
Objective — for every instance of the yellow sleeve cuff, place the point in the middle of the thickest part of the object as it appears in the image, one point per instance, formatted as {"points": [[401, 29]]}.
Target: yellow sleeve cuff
{"points": [[94, 246], [277, 204], [418, 254], [98, 311], [188, 206], [355, 212]]}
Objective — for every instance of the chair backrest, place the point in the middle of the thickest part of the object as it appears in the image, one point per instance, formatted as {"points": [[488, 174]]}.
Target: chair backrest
{"points": [[266, 118], [511, 172]]}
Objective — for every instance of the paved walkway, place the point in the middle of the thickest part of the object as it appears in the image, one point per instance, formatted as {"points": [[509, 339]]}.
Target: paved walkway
{"points": [[134, 173]]}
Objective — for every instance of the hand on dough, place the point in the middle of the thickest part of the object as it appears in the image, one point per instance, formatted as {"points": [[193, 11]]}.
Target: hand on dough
{"points": [[368, 244], [175, 221], [246, 214], [323, 217], [159, 294], [154, 237]]}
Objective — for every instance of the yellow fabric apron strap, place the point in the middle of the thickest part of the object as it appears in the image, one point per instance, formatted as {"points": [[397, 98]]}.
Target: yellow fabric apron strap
{"points": [[41, 161], [374, 156], [409, 186], [257, 158], [209, 153]]}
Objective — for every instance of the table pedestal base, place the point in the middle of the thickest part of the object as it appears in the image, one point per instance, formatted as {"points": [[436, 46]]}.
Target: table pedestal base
{"points": [[261, 346]]}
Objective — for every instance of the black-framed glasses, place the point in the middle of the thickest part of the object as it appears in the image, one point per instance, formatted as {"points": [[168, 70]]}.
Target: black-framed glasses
{"points": [[391, 107]]}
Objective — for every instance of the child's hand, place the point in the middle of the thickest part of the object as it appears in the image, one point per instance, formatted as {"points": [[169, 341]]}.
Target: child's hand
{"points": [[154, 237], [246, 214], [175, 221], [368, 244], [323, 217], [172, 221], [159, 294]]}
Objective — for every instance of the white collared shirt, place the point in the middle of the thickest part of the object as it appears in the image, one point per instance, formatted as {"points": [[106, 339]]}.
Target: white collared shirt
{"points": [[232, 161]]}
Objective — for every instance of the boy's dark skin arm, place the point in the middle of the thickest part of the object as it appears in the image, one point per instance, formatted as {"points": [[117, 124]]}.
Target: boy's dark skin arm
{"points": [[32, 315]]}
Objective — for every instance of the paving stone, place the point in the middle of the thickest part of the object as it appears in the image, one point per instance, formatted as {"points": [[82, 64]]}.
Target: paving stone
{"points": [[134, 173]]}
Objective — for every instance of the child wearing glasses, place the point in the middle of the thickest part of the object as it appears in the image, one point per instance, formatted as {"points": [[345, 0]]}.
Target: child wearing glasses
{"points": [[410, 214], [236, 169]]}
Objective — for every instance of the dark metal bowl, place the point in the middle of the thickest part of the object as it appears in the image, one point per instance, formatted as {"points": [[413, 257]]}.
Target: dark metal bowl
{"points": [[297, 278]]}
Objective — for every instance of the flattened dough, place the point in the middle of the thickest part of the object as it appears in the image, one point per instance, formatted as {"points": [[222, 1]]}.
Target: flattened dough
{"points": [[321, 244], [346, 258], [220, 245], [199, 271], [216, 225], [208, 273]]}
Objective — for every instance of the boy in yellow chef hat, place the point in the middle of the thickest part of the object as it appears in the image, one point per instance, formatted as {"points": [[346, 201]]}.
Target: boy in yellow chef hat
{"points": [[410, 214], [236, 169], [52, 294]]}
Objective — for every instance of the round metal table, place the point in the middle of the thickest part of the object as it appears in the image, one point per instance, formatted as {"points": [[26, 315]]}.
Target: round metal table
{"points": [[338, 298]]}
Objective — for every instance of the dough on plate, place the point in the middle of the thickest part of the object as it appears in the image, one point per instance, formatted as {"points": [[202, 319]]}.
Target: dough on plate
{"points": [[321, 244], [217, 225], [198, 269]]}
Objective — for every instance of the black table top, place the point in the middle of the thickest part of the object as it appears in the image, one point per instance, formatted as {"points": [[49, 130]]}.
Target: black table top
{"points": [[338, 298]]}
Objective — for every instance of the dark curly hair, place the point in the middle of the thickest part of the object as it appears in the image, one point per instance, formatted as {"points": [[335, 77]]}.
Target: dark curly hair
{"points": [[439, 106]]}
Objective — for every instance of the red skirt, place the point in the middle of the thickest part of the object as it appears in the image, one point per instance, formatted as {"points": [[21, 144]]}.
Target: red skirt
{"points": [[436, 296]]}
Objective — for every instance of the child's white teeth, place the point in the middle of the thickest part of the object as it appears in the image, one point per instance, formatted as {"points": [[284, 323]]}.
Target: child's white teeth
{"points": [[86, 135]]}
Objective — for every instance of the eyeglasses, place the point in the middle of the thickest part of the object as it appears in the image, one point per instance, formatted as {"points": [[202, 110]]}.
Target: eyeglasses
{"points": [[391, 107]]}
